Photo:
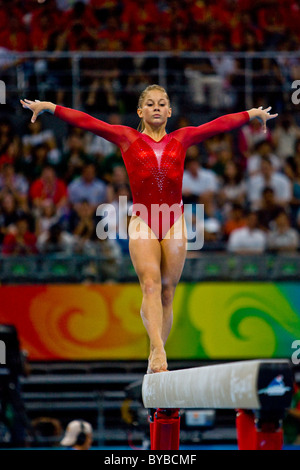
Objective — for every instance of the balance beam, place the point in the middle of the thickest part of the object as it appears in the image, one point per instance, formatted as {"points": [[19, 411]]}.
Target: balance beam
{"points": [[253, 384], [259, 390]]}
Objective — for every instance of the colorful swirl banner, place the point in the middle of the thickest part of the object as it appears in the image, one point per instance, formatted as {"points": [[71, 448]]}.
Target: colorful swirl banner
{"points": [[211, 321]]}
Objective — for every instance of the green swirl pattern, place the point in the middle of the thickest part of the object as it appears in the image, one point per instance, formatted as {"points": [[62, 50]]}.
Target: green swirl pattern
{"points": [[235, 320]]}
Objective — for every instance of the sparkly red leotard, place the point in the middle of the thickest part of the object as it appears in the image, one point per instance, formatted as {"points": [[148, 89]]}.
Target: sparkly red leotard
{"points": [[155, 169]]}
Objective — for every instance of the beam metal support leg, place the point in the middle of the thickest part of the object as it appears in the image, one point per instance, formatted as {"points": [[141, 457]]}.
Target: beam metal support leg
{"points": [[261, 432], [164, 429]]}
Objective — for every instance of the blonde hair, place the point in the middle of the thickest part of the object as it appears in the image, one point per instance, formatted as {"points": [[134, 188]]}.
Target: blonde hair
{"points": [[142, 97]]}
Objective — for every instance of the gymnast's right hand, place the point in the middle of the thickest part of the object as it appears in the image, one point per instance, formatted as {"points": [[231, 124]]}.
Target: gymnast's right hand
{"points": [[38, 107]]}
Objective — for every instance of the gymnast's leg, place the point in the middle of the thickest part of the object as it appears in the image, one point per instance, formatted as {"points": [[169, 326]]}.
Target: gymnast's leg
{"points": [[145, 252], [173, 255]]}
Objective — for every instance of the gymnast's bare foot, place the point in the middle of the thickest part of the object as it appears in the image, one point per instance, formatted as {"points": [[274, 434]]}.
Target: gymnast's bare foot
{"points": [[157, 361]]}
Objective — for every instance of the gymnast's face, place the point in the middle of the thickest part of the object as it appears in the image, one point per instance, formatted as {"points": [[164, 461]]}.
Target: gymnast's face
{"points": [[155, 109]]}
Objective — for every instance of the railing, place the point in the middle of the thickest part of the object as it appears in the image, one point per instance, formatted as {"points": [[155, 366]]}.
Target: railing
{"points": [[207, 266], [113, 80]]}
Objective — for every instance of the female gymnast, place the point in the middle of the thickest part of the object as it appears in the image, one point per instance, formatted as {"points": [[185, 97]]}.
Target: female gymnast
{"points": [[154, 161]]}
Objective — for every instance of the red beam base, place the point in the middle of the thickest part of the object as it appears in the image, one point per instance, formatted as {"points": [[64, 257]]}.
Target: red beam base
{"points": [[258, 434], [164, 429]]}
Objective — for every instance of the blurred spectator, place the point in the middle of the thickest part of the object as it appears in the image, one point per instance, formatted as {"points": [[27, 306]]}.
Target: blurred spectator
{"points": [[117, 178], [296, 152], [57, 79], [49, 186], [111, 252], [292, 171], [269, 84], [213, 235], [41, 28], [271, 22], [214, 146], [250, 135], [88, 187], [223, 156], [225, 67], [249, 239], [199, 184], [14, 36], [32, 165], [245, 23], [14, 183], [105, 154], [268, 209], [46, 217], [235, 219], [9, 213], [233, 186], [268, 177], [47, 431], [7, 134], [74, 158], [116, 37], [100, 147], [201, 77], [21, 241], [9, 153], [135, 18], [78, 436], [294, 176], [118, 213], [102, 90], [113, 167], [55, 240], [285, 136], [282, 238], [81, 23], [262, 149], [36, 136], [82, 225]]}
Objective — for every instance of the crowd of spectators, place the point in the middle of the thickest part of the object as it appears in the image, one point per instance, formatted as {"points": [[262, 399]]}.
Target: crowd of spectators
{"points": [[247, 181], [120, 25], [57, 26]]}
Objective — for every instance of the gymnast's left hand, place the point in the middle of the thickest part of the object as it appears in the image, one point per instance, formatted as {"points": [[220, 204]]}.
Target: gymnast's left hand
{"points": [[262, 114]]}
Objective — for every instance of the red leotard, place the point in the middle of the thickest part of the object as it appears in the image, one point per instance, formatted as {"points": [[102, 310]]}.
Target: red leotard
{"points": [[155, 169]]}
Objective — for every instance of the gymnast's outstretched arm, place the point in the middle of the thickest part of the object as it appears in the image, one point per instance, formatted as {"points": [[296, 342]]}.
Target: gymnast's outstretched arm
{"points": [[120, 135], [194, 135]]}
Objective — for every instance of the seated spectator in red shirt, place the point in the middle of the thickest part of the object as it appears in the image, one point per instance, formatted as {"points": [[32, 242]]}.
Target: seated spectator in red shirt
{"points": [[116, 38], [271, 21], [14, 36], [21, 241], [41, 32], [48, 186], [7, 155], [82, 13], [136, 15], [237, 32]]}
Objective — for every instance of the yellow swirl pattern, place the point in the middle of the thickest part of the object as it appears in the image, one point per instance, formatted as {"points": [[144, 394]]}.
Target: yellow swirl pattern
{"points": [[127, 307]]}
